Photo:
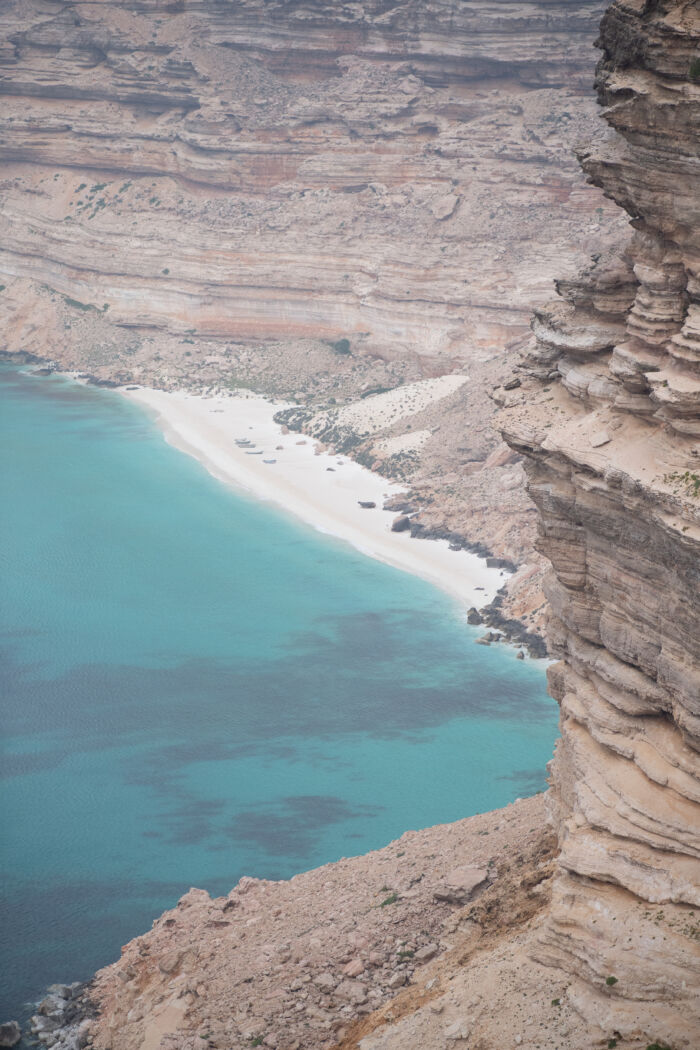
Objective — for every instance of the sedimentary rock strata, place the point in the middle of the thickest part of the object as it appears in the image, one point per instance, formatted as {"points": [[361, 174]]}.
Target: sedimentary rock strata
{"points": [[611, 437], [216, 194], [604, 411]]}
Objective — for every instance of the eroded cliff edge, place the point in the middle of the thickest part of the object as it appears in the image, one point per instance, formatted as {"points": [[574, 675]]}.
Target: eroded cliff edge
{"points": [[610, 429]]}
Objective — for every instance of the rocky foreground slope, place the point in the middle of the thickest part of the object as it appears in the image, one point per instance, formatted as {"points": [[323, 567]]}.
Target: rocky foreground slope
{"points": [[315, 199]]}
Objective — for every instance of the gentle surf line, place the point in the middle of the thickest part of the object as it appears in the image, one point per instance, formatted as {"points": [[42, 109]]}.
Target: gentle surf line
{"points": [[301, 482]]}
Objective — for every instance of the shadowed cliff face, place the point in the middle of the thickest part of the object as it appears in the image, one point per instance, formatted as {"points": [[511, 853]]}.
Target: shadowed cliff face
{"points": [[613, 462]]}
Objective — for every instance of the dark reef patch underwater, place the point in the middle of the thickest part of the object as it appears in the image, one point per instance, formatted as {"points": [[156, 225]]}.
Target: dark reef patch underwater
{"points": [[196, 687]]}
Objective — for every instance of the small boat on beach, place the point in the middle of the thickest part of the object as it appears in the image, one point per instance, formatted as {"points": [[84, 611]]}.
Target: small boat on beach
{"points": [[269, 461], [256, 452]]}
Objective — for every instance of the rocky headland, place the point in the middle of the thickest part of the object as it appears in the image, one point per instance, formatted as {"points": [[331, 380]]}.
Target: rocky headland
{"points": [[501, 930]]}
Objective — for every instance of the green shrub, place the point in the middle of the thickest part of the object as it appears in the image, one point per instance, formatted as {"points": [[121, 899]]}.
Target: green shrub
{"points": [[691, 485], [391, 899], [342, 346], [77, 305], [610, 981], [694, 71]]}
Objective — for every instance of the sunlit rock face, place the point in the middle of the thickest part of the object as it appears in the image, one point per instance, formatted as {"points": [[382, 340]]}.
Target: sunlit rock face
{"points": [[611, 433], [262, 170]]}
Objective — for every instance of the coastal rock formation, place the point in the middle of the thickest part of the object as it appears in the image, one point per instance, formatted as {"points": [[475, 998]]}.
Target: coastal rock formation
{"points": [[336, 955], [313, 199], [599, 948], [612, 453]]}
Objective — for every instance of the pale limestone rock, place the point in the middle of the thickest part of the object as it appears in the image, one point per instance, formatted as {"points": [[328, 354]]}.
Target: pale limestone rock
{"points": [[460, 883], [621, 527]]}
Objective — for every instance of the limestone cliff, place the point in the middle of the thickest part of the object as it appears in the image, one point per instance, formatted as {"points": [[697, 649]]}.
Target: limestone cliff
{"points": [[215, 194], [607, 418], [611, 436]]}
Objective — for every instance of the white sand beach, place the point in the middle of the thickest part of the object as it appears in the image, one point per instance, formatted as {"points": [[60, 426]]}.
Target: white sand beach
{"points": [[321, 489]]}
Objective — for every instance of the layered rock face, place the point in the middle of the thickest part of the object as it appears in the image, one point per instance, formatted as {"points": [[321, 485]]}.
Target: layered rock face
{"points": [[611, 435], [272, 170], [215, 194]]}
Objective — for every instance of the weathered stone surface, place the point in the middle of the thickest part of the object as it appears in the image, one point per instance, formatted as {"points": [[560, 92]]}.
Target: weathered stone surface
{"points": [[613, 467], [10, 1033], [460, 884]]}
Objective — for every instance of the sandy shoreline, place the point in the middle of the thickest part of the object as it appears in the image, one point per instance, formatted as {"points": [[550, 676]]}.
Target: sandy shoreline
{"points": [[322, 490]]}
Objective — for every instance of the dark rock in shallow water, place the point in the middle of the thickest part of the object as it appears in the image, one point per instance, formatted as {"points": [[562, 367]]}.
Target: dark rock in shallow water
{"points": [[62, 1021], [473, 616], [513, 630], [10, 1033], [52, 1006], [94, 381]]}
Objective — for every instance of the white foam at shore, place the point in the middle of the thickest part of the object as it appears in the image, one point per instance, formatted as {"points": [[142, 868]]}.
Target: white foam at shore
{"points": [[300, 482]]}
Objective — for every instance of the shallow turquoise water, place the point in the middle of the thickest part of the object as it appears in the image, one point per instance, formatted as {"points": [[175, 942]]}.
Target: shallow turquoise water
{"points": [[196, 687]]}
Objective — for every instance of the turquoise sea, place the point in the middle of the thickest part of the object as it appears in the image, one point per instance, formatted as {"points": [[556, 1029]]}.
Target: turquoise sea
{"points": [[196, 686]]}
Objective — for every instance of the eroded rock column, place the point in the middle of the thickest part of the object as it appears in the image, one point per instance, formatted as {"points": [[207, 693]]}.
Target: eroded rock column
{"points": [[609, 425]]}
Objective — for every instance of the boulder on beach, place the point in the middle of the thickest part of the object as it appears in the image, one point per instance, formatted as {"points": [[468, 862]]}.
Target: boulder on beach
{"points": [[401, 524]]}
